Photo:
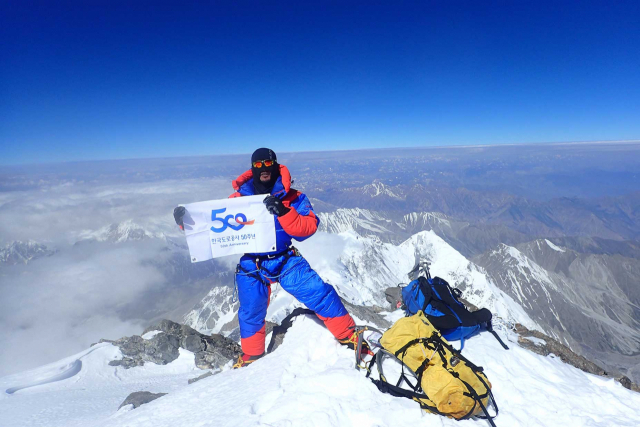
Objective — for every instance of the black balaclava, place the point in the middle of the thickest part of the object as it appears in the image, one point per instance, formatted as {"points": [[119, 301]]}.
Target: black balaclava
{"points": [[264, 154]]}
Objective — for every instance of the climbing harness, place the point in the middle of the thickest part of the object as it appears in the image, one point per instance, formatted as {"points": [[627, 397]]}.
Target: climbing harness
{"points": [[259, 274]]}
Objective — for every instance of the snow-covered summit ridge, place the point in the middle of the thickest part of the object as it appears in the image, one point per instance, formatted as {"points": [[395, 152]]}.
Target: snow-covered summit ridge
{"points": [[372, 266], [366, 222], [354, 219], [309, 380]]}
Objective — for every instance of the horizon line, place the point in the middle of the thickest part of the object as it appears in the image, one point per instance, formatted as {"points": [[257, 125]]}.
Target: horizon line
{"points": [[419, 147]]}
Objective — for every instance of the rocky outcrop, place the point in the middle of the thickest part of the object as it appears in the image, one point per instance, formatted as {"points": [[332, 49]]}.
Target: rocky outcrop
{"points": [[368, 314], [203, 376], [138, 398], [544, 345], [393, 295], [278, 334], [210, 352]]}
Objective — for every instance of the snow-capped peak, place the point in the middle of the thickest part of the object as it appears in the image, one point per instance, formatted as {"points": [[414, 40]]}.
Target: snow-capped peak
{"points": [[308, 380], [354, 219], [19, 252], [377, 189], [118, 233]]}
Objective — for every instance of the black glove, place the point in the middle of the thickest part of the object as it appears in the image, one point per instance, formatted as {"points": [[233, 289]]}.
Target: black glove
{"points": [[178, 215], [275, 206]]}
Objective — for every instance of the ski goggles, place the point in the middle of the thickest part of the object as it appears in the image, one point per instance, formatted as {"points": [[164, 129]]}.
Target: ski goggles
{"points": [[266, 163]]}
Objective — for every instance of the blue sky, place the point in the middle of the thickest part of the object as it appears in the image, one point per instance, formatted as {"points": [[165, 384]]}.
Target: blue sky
{"points": [[123, 79]]}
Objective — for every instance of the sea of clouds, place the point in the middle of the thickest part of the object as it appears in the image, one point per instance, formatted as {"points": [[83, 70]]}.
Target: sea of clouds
{"points": [[58, 305]]}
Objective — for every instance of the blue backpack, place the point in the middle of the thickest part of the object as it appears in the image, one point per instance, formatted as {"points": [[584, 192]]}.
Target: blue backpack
{"points": [[440, 303]]}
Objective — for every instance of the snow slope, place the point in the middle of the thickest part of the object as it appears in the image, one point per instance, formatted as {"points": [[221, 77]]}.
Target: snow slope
{"points": [[308, 381], [83, 389]]}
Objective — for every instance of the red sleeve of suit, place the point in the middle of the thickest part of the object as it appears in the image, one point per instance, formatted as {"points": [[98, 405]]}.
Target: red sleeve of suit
{"points": [[293, 222]]}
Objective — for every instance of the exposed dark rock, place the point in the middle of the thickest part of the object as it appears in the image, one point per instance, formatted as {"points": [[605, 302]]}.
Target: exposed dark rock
{"points": [[138, 398], [277, 338], [545, 345], [469, 306], [161, 349], [393, 296], [625, 381], [369, 314], [203, 376], [628, 384], [210, 351]]}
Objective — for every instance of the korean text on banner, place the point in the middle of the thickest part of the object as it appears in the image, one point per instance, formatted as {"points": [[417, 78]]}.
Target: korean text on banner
{"points": [[229, 226]]}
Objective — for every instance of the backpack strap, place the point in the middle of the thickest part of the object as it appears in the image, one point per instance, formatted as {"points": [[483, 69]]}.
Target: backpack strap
{"points": [[476, 370], [425, 287], [495, 334], [478, 399], [417, 393]]}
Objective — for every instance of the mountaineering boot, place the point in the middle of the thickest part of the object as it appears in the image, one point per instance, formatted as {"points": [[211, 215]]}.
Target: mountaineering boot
{"points": [[351, 342], [245, 360]]}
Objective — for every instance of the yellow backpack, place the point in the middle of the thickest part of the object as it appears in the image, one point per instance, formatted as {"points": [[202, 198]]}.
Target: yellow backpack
{"points": [[446, 383]]}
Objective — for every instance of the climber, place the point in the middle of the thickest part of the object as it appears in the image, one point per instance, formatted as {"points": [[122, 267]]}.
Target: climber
{"points": [[256, 272]]}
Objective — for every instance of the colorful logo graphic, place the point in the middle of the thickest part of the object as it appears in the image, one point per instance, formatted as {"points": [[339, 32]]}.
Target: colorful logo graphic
{"points": [[239, 218]]}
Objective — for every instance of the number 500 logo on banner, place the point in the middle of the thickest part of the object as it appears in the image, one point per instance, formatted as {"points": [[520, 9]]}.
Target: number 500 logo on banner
{"points": [[229, 226], [225, 221]]}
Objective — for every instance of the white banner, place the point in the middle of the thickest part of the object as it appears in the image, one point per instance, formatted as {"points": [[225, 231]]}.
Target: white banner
{"points": [[229, 226]]}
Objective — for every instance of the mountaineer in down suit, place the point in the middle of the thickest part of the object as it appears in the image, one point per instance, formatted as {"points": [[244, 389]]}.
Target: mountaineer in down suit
{"points": [[255, 273]]}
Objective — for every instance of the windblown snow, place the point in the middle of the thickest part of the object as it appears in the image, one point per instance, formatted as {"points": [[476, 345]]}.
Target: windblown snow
{"points": [[309, 380]]}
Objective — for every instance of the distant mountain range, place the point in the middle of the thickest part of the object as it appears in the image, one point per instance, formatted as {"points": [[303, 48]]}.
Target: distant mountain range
{"points": [[582, 290], [551, 231], [18, 252], [118, 233], [589, 301], [616, 218]]}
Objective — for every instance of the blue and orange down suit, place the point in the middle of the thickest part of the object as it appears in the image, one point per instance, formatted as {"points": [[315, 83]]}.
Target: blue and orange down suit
{"points": [[282, 265]]}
